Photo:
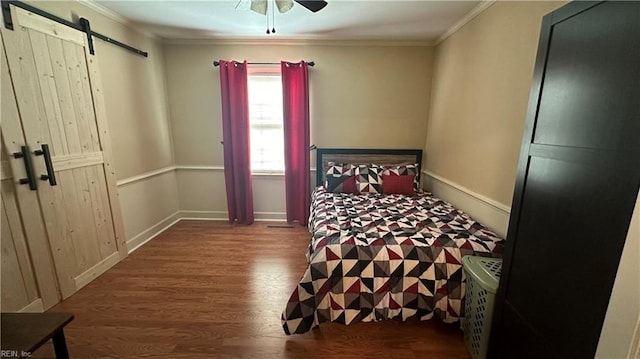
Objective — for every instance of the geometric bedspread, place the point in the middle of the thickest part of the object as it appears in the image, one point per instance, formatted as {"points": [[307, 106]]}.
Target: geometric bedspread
{"points": [[375, 257]]}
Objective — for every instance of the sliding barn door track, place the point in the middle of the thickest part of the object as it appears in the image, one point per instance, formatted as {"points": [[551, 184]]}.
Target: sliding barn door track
{"points": [[83, 26]]}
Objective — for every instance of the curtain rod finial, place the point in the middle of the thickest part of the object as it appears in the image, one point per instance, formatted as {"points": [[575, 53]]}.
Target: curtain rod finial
{"points": [[216, 63]]}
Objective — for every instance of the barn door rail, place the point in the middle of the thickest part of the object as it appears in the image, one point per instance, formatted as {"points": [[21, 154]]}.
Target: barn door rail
{"points": [[82, 26]]}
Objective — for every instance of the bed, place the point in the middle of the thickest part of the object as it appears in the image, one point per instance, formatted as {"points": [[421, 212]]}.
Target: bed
{"points": [[382, 253]]}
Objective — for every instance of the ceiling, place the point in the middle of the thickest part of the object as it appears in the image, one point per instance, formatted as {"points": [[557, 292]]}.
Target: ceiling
{"points": [[339, 20]]}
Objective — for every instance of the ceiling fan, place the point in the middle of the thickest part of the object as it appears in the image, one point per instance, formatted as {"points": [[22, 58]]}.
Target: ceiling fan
{"points": [[260, 6]]}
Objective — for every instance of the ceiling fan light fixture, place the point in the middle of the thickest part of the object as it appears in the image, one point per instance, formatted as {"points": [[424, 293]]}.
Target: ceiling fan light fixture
{"points": [[284, 5], [259, 6]]}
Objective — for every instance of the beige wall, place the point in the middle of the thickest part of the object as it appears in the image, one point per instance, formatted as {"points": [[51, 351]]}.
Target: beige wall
{"points": [[146, 203], [623, 314], [362, 95], [136, 105], [481, 80]]}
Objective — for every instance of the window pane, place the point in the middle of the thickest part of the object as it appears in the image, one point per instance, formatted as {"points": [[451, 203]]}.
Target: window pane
{"points": [[267, 149], [265, 116]]}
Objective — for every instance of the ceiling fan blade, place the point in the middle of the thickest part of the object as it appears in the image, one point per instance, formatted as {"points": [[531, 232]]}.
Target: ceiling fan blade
{"points": [[312, 5]]}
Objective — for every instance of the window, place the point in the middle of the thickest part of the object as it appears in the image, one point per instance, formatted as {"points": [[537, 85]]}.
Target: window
{"points": [[265, 118]]}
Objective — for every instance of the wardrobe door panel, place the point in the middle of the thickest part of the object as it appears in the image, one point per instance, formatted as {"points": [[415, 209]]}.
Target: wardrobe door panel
{"points": [[584, 84]]}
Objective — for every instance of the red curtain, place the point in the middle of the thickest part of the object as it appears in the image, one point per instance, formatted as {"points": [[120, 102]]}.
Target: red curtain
{"points": [[235, 135], [295, 93]]}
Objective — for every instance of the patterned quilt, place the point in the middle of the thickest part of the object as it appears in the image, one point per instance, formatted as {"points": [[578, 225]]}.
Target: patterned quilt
{"points": [[375, 257]]}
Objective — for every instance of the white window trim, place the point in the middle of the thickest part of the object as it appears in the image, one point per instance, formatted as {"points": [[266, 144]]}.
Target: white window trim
{"points": [[274, 71]]}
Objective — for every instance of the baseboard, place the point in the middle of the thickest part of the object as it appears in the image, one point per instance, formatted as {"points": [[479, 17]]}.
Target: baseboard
{"points": [[203, 215], [490, 213], [95, 271], [223, 216], [141, 238], [37, 306], [270, 216]]}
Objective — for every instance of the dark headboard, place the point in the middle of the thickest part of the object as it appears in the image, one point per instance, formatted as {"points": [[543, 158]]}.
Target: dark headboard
{"points": [[364, 156]]}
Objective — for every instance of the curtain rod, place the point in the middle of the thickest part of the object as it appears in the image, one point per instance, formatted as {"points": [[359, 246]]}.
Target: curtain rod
{"points": [[83, 26], [217, 63]]}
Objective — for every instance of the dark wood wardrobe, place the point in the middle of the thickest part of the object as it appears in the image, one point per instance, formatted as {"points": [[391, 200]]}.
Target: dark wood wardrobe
{"points": [[577, 184]]}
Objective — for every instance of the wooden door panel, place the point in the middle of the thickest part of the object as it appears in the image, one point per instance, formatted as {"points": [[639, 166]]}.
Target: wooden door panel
{"points": [[15, 291], [83, 193], [101, 210], [19, 286], [81, 97], [54, 75], [109, 180], [76, 207], [26, 200], [62, 69], [93, 138], [56, 92], [31, 97], [26, 85], [65, 63]]}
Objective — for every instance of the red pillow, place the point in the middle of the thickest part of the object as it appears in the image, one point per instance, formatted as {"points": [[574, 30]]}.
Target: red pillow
{"points": [[349, 185], [398, 184]]}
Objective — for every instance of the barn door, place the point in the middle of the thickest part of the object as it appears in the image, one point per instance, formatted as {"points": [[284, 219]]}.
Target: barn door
{"points": [[577, 184], [26, 256], [62, 116], [19, 290]]}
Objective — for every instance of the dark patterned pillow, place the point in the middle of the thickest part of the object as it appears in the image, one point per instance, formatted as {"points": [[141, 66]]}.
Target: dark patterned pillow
{"points": [[338, 170], [341, 184], [369, 179], [404, 170]]}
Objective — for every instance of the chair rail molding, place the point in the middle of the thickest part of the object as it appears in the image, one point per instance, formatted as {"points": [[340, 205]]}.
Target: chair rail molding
{"points": [[487, 211]]}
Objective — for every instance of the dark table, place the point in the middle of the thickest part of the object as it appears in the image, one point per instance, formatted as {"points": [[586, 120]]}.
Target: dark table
{"points": [[23, 333]]}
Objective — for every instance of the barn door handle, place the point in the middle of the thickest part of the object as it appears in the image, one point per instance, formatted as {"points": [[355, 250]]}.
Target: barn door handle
{"points": [[25, 154], [51, 175]]}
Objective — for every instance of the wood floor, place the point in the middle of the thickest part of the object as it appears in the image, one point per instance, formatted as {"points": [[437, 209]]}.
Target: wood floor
{"points": [[212, 290]]}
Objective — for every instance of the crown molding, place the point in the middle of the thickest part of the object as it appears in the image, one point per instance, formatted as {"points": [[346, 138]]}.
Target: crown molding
{"points": [[484, 5], [102, 10], [299, 42], [292, 41], [91, 4]]}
